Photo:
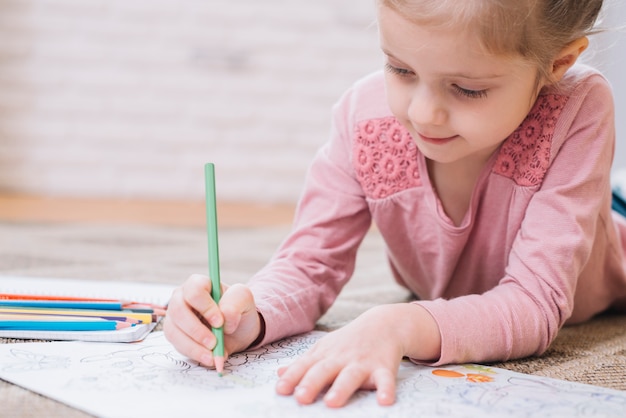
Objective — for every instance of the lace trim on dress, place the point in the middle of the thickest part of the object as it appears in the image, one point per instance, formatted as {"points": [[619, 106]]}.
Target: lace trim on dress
{"points": [[385, 157], [525, 156]]}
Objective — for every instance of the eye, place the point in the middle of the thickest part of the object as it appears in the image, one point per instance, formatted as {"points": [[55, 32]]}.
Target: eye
{"points": [[402, 72], [472, 94]]}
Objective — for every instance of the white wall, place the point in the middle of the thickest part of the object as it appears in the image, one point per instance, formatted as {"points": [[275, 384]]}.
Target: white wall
{"points": [[129, 98]]}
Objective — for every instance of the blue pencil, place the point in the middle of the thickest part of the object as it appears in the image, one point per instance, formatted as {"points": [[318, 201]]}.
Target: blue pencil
{"points": [[22, 325], [63, 304], [94, 305]]}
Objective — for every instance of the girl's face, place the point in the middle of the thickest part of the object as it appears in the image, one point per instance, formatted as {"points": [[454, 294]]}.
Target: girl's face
{"points": [[458, 101]]}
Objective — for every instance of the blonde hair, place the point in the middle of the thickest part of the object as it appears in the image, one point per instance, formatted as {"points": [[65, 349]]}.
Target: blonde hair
{"points": [[537, 30]]}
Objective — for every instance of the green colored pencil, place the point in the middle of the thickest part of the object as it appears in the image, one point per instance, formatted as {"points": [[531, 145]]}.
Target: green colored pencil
{"points": [[214, 259]]}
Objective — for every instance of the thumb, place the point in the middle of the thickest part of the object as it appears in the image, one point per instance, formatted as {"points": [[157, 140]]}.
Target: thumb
{"points": [[236, 304]]}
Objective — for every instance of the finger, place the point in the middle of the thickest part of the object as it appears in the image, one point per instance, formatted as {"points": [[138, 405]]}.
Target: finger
{"points": [[315, 380], [235, 304], [197, 294], [348, 381], [186, 345], [181, 316], [290, 376], [385, 382]]}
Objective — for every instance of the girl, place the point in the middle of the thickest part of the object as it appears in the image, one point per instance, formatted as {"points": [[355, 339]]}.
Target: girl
{"points": [[482, 153]]}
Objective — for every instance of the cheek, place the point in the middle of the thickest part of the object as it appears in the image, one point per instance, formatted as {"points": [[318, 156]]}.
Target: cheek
{"points": [[396, 98], [491, 123], [486, 128], [508, 119]]}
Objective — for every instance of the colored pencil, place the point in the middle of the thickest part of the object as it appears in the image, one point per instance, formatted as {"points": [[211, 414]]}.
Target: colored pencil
{"points": [[155, 311], [28, 315], [214, 259], [61, 325], [143, 317], [68, 304], [124, 303], [62, 304]]}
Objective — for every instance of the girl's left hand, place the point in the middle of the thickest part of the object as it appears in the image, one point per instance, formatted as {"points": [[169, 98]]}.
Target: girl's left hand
{"points": [[365, 354]]}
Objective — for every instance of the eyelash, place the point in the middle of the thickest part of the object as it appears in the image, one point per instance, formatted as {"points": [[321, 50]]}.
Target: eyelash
{"points": [[398, 71], [472, 94]]}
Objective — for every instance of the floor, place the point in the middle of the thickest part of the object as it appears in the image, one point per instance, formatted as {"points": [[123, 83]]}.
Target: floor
{"points": [[23, 208]]}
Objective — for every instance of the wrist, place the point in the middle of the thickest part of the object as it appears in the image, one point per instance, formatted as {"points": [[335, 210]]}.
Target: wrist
{"points": [[415, 329], [427, 347], [261, 334]]}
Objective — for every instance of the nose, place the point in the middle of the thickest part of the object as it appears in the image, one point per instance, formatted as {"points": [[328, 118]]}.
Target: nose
{"points": [[426, 107]]}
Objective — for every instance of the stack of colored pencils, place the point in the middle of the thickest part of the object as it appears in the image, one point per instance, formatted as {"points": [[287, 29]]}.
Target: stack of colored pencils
{"points": [[61, 313]]}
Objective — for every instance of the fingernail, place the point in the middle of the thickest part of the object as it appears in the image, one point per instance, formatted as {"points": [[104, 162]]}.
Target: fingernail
{"points": [[282, 387], [208, 342], [385, 399], [330, 396], [216, 321], [300, 391]]}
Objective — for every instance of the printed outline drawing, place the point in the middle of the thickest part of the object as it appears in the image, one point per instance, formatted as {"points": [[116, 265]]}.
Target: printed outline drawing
{"points": [[154, 366]]}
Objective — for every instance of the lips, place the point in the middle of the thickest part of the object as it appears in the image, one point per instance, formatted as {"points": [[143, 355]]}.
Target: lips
{"points": [[436, 140]]}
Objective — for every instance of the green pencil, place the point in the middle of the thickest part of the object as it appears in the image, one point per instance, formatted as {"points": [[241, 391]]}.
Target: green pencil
{"points": [[214, 259]]}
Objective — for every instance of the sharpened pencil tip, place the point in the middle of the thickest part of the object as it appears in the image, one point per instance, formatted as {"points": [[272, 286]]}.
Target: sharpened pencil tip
{"points": [[219, 365]]}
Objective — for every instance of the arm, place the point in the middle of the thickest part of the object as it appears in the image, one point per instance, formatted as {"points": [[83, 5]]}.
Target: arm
{"points": [[305, 275], [312, 265], [524, 312], [518, 317]]}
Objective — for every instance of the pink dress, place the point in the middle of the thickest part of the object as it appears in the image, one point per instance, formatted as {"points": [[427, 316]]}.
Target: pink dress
{"points": [[538, 247]]}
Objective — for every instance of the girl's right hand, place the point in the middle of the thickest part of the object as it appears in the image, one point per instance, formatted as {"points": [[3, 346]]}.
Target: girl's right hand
{"points": [[191, 312]]}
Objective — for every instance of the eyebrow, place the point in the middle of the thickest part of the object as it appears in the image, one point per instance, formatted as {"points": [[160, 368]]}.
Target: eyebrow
{"points": [[454, 74], [472, 76]]}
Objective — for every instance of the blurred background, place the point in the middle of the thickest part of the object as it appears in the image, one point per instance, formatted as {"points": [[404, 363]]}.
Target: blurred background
{"points": [[127, 99]]}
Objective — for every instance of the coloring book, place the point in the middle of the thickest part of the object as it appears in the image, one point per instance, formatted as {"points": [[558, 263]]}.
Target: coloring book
{"points": [[150, 378]]}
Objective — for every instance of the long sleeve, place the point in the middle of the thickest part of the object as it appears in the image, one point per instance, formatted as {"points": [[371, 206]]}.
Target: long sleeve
{"points": [[538, 247], [564, 224], [318, 257]]}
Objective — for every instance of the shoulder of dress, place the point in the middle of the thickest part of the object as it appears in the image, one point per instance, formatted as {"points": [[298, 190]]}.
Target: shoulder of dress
{"points": [[384, 157], [524, 156]]}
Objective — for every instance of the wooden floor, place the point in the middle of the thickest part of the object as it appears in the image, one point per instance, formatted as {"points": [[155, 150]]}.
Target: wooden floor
{"points": [[21, 208]]}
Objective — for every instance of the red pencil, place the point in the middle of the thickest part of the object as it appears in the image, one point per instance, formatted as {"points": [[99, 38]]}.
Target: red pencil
{"points": [[158, 309]]}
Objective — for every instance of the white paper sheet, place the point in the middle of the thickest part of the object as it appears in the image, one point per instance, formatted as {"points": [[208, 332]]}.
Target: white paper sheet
{"points": [[156, 293], [150, 378]]}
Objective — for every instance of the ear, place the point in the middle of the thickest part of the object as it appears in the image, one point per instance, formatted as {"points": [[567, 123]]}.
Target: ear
{"points": [[567, 57]]}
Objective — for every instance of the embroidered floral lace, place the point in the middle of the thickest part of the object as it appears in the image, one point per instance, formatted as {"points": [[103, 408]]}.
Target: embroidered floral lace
{"points": [[385, 155]]}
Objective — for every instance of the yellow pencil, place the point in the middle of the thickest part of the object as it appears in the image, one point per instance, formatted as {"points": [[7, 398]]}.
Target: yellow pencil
{"points": [[145, 318]]}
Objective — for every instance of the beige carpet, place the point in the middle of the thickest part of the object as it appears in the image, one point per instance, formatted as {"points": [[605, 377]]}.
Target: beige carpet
{"points": [[593, 353]]}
